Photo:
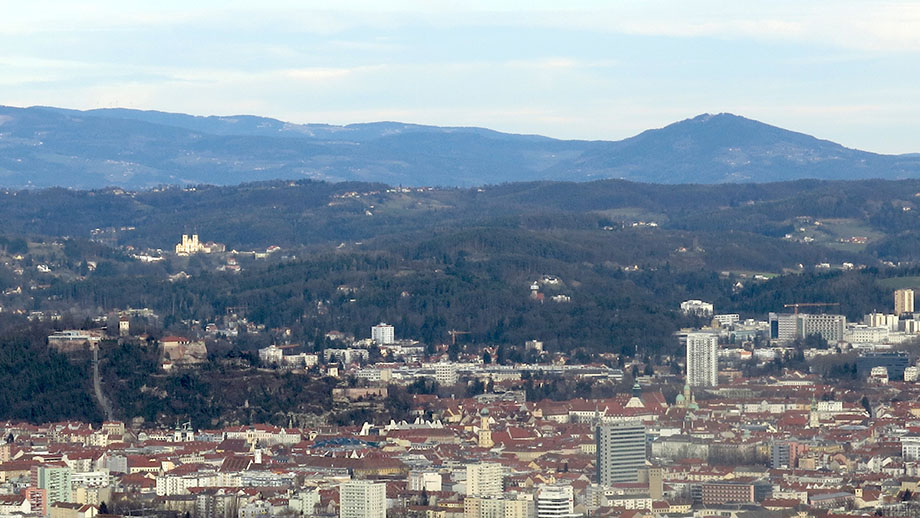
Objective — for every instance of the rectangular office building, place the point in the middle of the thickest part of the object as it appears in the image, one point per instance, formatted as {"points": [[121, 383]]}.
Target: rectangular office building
{"points": [[620, 452]]}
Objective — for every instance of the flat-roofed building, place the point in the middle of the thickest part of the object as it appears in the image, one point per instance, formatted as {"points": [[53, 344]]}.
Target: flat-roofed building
{"points": [[620, 452]]}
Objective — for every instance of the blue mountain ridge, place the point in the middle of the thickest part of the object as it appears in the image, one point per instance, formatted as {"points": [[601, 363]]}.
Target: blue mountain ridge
{"points": [[46, 146]]}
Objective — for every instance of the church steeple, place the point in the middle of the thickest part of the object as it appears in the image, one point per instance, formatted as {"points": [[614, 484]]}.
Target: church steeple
{"points": [[485, 434], [814, 418]]}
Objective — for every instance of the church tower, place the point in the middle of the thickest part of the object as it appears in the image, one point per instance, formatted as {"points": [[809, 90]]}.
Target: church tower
{"points": [[485, 434], [814, 418]]}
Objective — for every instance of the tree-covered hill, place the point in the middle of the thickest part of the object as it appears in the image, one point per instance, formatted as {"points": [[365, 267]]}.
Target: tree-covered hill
{"points": [[306, 213], [611, 260]]}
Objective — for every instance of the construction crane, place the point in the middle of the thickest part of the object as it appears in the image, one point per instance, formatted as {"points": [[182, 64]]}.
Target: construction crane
{"points": [[797, 305], [453, 335]]}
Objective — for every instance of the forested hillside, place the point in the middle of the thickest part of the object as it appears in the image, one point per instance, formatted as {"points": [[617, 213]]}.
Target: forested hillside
{"points": [[295, 214], [586, 268]]}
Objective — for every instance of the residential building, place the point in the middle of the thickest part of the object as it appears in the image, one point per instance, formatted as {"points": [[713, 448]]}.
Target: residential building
{"points": [[903, 301], [271, 355], [216, 503], [533, 345], [555, 501], [912, 373], [910, 447], [727, 319], [697, 308], [702, 359], [785, 454], [445, 373], [363, 499], [508, 506], [55, 479], [305, 502], [429, 481], [383, 334], [38, 499], [484, 479], [889, 320]]}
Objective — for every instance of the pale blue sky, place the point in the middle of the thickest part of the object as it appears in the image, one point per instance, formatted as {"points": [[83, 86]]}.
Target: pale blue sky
{"points": [[843, 70]]}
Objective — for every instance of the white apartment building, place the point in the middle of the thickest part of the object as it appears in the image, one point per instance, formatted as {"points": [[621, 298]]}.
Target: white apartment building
{"points": [[445, 373], [696, 307], [882, 320], [271, 355], [90, 478], [363, 499], [555, 501], [702, 359], [305, 501], [910, 447], [912, 373], [383, 334], [863, 334], [168, 485], [727, 319], [911, 327], [429, 481], [484, 479]]}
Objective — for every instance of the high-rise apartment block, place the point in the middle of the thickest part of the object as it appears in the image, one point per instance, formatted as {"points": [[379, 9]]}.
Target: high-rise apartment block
{"points": [[620, 452], [903, 301], [383, 334], [55, 479], [702, 359], [555, 501], [363, 499], [484, 479]]}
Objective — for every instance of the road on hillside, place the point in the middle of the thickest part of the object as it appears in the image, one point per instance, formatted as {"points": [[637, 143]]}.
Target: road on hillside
{"points": [[97, 388]]}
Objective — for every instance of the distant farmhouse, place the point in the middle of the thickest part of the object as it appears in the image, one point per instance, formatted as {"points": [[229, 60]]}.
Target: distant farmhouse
{"points": [[179, 350]]}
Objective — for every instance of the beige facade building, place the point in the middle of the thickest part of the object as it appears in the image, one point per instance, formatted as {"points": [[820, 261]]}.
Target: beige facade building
{"points": [[903, 301], [484, 479], [508, 506]]}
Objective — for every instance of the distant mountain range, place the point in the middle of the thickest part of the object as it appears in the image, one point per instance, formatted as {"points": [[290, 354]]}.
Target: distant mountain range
{"points": [[45, 147]]}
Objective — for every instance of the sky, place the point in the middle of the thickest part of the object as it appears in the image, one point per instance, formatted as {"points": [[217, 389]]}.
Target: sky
{"points": [[842, 70]]}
